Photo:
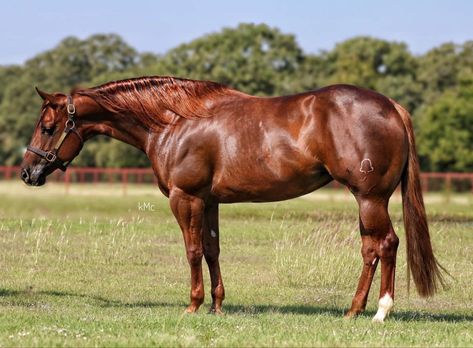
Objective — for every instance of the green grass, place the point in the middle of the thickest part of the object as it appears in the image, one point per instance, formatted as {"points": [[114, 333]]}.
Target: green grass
{"points": [[88, 268]]}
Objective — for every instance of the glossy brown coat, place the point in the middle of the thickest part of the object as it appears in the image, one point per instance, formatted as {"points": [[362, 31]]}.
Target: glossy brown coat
{"points": [[209, 144]]}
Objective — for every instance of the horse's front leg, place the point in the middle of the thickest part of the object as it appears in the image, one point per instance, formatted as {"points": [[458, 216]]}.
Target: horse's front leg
{"points": [[189, 213], [211, 253]]}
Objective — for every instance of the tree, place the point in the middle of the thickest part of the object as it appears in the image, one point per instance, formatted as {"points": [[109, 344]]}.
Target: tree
{"points": [[364, 60], [443, 67], [385, 66], [445, 131], [253, 58], [8, 74]]}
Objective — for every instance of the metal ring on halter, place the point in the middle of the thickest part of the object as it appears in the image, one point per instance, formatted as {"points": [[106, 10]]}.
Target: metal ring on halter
{"points": [[71, 109], [70, 123]]}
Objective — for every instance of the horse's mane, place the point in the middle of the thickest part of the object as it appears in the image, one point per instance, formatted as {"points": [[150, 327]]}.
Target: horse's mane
{"points": [[151, 98]]}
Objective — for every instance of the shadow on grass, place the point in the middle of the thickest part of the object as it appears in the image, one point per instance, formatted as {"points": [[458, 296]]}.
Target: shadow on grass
{"points": [[337, 312], [283, 309], [23, 295], [423, 316], [237, 309]]}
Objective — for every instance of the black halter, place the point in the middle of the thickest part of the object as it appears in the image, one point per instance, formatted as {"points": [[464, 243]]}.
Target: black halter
{"points": [[51, 155]]}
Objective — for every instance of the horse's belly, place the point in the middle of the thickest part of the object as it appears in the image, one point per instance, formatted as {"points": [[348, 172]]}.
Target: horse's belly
{"points": [[264, 187]]}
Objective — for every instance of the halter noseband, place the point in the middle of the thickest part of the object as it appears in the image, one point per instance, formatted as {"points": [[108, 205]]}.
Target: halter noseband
{"points": [[70, 126]]}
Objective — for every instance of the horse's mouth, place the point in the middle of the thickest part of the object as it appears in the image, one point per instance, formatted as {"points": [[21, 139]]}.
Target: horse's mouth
{"points": [[40, 181]]}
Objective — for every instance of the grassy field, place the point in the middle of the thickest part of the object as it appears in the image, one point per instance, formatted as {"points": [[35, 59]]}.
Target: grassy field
{"points": [[91, 269]]}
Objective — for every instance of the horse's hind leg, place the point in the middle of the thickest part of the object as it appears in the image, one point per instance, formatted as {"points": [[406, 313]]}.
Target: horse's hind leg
{"points": [[211, 253], [370, 262], [379, 243]]}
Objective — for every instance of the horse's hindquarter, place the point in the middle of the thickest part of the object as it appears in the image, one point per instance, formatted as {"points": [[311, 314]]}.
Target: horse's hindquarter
{"points": [[364, 144]]}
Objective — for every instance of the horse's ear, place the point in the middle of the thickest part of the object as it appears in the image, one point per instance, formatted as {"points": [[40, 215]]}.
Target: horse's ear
{"points": [[46, 96]]}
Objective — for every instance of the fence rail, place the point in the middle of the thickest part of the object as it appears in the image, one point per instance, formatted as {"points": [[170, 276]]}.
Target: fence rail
{"points": [[457, 182]]}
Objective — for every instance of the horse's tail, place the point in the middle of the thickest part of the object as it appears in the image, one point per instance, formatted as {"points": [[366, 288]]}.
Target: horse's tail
{"points": [[421, 261]]}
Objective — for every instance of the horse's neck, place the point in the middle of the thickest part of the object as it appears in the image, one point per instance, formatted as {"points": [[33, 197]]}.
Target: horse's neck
{"points": [[125, 128]]}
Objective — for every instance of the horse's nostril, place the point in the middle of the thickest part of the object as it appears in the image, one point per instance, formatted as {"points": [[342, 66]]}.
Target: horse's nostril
{"points": [[25, 175]]}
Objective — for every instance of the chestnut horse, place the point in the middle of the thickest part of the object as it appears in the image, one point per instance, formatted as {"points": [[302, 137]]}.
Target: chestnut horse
{"points": [[210, 144]]}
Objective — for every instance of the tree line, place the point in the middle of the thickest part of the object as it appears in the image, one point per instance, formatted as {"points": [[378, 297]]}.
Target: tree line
{"points": [[436, 87]]}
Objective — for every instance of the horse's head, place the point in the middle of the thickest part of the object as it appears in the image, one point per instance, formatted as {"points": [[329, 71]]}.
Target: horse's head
{"points": [[56, 140]]}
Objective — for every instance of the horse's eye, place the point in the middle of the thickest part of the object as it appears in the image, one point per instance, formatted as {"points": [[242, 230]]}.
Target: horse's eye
{"points": [[47, 130]]}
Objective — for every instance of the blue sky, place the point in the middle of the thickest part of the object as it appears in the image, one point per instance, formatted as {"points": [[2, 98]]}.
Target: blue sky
{"points": [[29, 27]]}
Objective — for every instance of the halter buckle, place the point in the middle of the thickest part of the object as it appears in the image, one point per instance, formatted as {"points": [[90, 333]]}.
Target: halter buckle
{"points": [[50, 156]]}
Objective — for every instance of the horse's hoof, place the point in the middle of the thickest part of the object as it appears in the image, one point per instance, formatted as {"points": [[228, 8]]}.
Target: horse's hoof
{"points": [[216, 311], [191, 309], [380, 316], [351, 314], [378, 319]]}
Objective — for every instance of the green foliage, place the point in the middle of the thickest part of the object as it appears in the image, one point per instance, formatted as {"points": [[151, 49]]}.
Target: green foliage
{"points": [[363, 61], [445, 131], [259, 60], [254, 58], [444, 67]]}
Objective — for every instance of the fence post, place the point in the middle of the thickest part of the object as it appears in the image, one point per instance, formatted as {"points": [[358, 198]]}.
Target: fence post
{"points": [[448, 184], [124, 181], [8, 173], [67, 179], [96, 176], [424, 180]]}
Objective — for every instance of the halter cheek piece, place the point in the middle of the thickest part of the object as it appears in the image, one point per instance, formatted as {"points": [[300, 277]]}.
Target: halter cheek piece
{"points": [[70, 126]]}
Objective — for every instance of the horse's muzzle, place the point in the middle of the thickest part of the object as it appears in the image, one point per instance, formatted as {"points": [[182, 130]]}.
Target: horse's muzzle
{"points": [[33, 178]]}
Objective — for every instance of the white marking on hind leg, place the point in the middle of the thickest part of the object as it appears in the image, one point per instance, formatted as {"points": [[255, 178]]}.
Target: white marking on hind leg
{"points": [[213, 234], [384, 307]]}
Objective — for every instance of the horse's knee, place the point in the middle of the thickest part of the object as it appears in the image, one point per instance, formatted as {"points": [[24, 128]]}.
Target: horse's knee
{"points": [[194, 255]]}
